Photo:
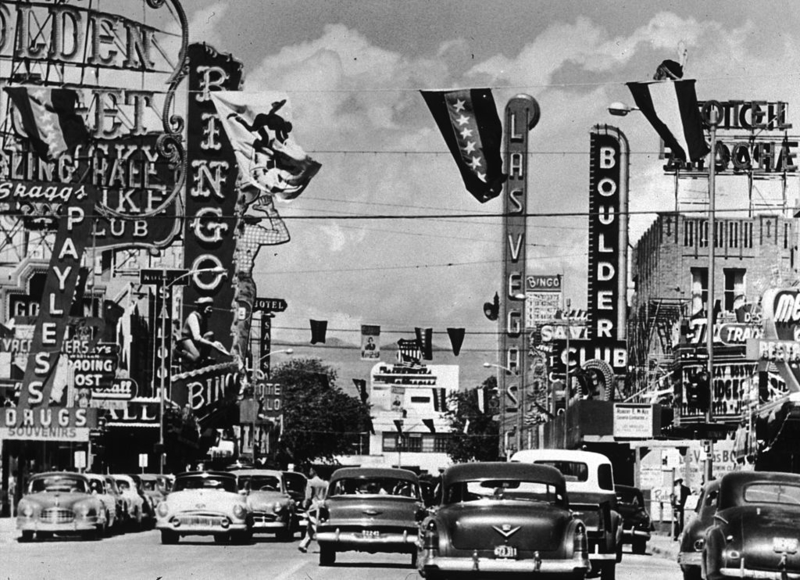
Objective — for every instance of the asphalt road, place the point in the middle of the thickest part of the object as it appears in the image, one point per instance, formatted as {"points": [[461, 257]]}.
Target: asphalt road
{"points": [[140, 555]]}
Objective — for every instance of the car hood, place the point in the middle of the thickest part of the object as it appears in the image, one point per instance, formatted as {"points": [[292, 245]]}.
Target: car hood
{"points": [[388, 510], [58, 499], [259, 500], [487, 523], [203, 500]]}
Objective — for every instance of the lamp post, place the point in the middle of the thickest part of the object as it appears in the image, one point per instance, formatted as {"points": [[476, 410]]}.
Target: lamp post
{"points": [[567, 386], [165, 290]]}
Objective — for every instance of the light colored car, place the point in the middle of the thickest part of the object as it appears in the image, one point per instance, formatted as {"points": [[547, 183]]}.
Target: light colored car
{"points": [[130, 492], [60, 502], [592, 497], [269, 501], [503, 520], [99, 487], [204, 503], [370, 509]]}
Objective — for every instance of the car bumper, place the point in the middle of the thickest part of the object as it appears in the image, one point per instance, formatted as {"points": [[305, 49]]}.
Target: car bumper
{"points": [[82, 525], [629, 534], [433, 563], [357, 540], [690, 558], [760, 574], [202, 526]]}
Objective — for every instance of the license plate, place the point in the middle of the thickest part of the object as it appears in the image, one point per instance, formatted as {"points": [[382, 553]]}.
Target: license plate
{"points": [[371, 534], [787, 545], [199, 522], [505, 552]]}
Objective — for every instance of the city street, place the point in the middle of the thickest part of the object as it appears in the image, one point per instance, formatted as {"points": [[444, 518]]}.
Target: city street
{"points": [[137, 556]]}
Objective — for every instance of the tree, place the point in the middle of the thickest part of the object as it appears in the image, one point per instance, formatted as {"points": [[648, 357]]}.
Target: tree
{"points": [[475, 435], [319, 420]]}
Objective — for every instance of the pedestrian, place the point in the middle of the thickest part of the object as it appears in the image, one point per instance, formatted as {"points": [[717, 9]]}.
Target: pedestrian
{"points": [[315, 494], [679, 494]]}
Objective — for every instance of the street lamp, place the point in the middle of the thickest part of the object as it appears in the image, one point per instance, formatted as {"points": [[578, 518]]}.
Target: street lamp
{"points": [[220, 271], [620, 109]]}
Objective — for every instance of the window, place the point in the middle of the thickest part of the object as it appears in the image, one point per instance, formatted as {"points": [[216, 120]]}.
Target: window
{"points": [[699, 289], [734, 288]]}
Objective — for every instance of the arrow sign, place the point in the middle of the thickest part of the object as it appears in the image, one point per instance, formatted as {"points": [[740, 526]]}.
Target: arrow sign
{"points": [[159, 276], [270, 304]]}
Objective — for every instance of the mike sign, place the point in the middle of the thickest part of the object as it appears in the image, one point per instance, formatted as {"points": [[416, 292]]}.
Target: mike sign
{"points": [[780, 344]]}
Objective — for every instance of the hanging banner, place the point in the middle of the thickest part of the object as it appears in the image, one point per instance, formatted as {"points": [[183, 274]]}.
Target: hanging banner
{"points": [[370, 342]]}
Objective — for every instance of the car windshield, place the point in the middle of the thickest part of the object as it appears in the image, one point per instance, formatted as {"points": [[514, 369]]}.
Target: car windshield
{"points": [[374, 486], [259, 482], [97, 486], [149, 485], [209, 483], [629, 496], [123, 485], [63, 483], [536, 491], [772, 492], [295, 482], [571, 470]]}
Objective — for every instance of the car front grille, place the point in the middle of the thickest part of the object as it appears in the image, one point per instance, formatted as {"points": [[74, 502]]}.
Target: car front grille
{"points": [[57, 516]]}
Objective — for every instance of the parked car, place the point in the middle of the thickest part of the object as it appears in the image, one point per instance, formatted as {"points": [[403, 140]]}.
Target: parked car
{"points": [[124, 511], [370, 509], [269, 501], [692, 538], [60, 502], [153, 488], [135, 503], [112, 503], [589, 478], [636, 522], [503, 519], [296, 484], [204, 503], [754, 533]]}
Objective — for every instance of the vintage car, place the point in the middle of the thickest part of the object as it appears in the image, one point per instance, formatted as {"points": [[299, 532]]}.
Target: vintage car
{"points": [[204, 503], [590, 485], [755, 530], [60, 502], [370, 509], [503, 519], [112, 502], [296, 484], [636, 522], [269, 501], [692, 538], [134, 502]]}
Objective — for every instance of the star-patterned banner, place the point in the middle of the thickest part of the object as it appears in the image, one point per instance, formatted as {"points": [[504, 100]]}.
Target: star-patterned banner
{"points": [[473, 132]]}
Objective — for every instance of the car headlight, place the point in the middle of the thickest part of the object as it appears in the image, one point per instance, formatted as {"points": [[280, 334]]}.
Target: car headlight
{"points": [[25, 509], [238, 511], [278, 507], [162, 509]]}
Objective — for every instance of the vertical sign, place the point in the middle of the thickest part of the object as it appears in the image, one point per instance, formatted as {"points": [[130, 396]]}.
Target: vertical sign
{"points": [[608, 236], [522, 114], [211, 187]]}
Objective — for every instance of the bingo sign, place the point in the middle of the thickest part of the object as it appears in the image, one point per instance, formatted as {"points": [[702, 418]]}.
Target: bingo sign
{"points": [[543, 298]]}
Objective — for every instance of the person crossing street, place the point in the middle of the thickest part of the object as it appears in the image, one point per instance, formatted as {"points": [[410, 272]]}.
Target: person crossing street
{"points": [[315, 495]]}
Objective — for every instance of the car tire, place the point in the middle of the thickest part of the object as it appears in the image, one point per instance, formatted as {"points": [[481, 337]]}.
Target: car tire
{"points": [[285, 535], [608, 571], [242, 538], [44, 535], [27, 536], [170, 537], [639, 546], [691, 573], [222, 538], [327, 555], [414, 559]]}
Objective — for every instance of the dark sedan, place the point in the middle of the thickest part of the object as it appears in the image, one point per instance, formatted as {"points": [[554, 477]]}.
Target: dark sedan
{"points": [[693, 535], [503, 518], [636, 522], [370, 509], [755, 533]]}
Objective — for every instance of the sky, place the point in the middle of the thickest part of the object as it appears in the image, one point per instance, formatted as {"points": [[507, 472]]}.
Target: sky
{"points": [[353, 71]]}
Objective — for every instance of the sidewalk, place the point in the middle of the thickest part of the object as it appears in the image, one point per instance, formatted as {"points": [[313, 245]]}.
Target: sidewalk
{"points": [[8, 530]]}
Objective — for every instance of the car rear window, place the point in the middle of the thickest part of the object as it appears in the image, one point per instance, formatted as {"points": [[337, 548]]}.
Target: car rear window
{"points": [[374, 486], [571, 470], [770, 492], [465, 491]]}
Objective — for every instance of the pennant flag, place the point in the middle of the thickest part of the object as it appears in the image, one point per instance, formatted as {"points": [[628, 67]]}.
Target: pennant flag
{"points": [[440, 400], [48, 118], [258, 126], [429, 424], [424, 341], [472, 130], [456, 339], [370, 342], [361, 386], [318, 330], [671, 107]]}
